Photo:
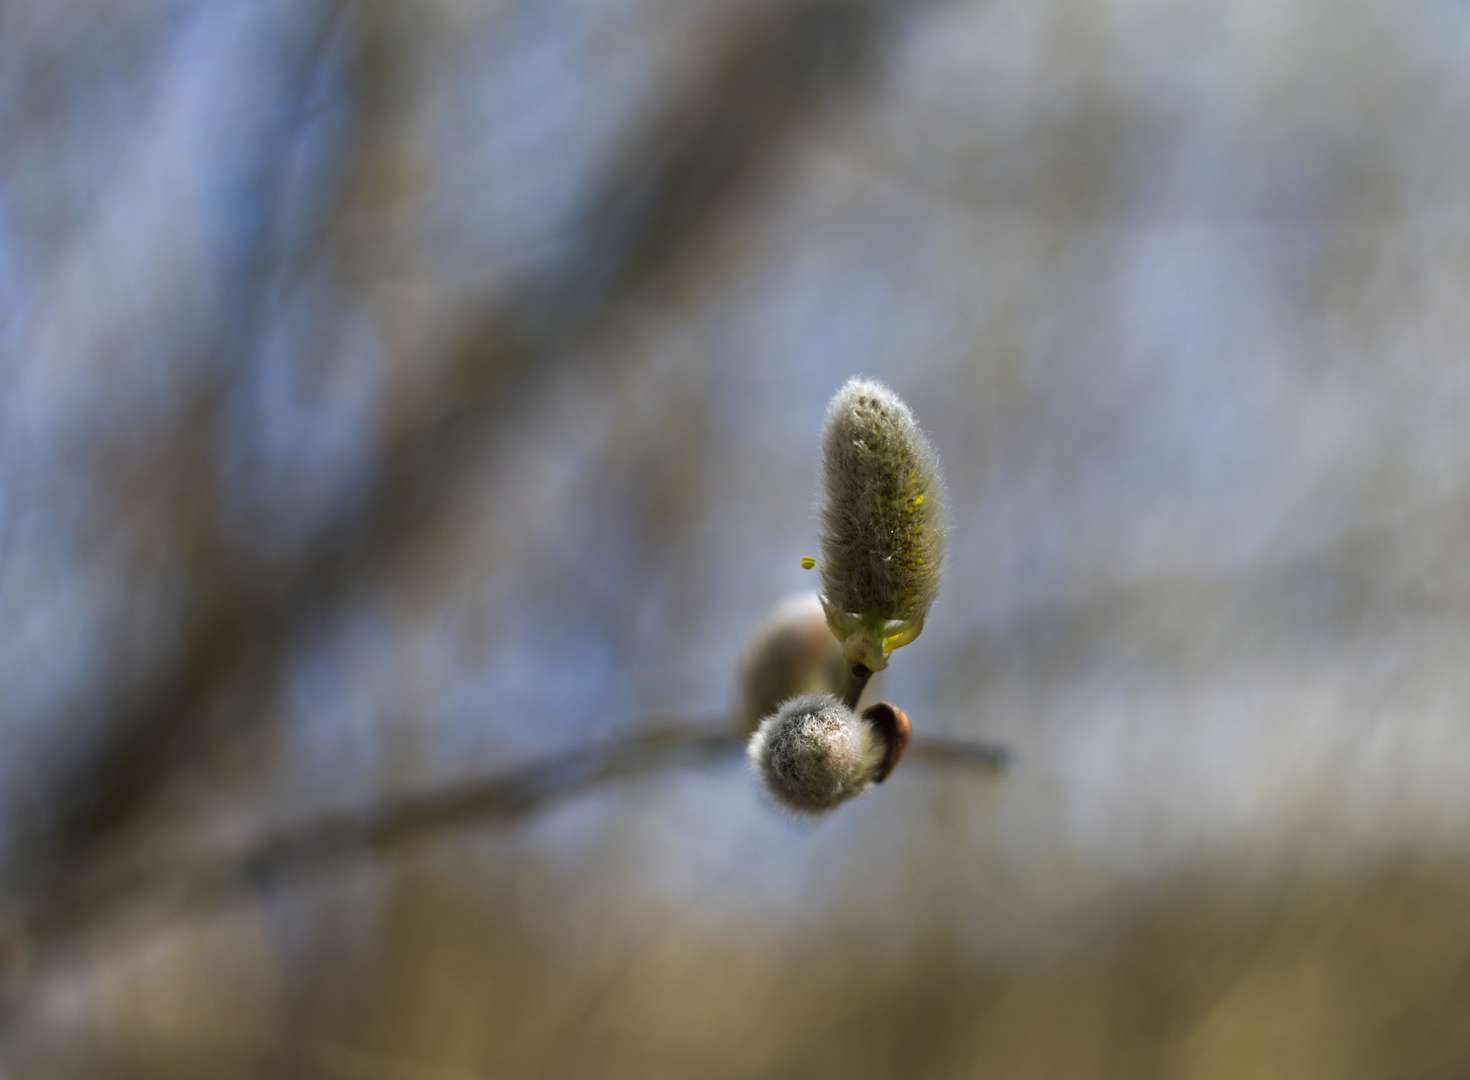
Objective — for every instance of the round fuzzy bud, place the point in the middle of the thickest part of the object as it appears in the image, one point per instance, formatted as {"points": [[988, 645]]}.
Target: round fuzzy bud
{"points": [[791, 652], [816, 753], [882, 522]]}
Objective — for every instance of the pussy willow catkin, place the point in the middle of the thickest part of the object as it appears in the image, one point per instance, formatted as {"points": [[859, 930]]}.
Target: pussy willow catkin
{"points": [[791, 652], [882, 540], [815, 753]]}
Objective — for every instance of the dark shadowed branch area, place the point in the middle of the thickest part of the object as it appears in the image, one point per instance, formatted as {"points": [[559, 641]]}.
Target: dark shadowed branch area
{"points": [[400, 403]]}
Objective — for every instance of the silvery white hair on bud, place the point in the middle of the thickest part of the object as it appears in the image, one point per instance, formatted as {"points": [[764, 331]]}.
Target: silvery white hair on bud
{"points": [[882, 522], [815, 753], [791, 652]]}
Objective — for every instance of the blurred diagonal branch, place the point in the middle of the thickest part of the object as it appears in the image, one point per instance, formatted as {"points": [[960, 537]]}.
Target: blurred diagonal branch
{"points": [[132, 899], [651, 204]]}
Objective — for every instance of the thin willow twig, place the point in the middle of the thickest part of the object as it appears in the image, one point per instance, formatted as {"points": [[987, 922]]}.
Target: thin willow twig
{"points": [[129, 902], [983, 757]]}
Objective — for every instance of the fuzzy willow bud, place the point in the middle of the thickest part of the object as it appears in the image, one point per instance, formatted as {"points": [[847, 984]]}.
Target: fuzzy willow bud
{"points": [[791, 652], [815, 753], [882, 522]]}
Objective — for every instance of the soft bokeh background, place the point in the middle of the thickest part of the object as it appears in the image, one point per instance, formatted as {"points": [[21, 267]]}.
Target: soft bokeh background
{"points": [[394, 392]]}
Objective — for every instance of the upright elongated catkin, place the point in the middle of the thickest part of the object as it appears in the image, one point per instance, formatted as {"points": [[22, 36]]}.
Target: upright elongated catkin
{"points": [[882, 539]]}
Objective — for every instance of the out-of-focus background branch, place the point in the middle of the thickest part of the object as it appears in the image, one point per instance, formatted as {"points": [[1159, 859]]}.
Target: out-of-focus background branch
{"points": [[653, 198], [393, 395], [93, 910]]}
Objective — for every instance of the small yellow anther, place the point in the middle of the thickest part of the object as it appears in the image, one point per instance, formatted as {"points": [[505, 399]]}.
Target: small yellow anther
{"points": [[807, 562]]}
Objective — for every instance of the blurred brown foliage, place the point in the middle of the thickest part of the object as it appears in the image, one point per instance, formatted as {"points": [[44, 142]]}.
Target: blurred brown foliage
{"points": [[394, 394]]}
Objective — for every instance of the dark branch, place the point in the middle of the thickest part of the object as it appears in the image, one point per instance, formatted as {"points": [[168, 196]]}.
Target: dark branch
{"points": [[854, 683], [36, 940], [960, 753]]}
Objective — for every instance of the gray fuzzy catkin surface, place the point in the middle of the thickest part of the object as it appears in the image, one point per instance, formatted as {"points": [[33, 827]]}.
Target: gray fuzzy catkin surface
{"points": [[882, 538]]}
